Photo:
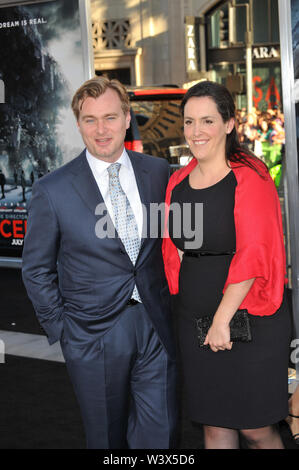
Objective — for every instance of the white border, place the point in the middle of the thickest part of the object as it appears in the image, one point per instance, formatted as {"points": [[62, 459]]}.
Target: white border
{"points": [[86, 34], [292, 203]]}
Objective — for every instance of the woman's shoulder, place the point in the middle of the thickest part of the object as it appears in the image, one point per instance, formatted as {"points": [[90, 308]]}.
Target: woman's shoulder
{"points": [[255, 183], [180, 174], [252, 169]]}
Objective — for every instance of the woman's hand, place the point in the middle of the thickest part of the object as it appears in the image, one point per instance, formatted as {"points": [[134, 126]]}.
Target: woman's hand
{"points": [[218, 337]]}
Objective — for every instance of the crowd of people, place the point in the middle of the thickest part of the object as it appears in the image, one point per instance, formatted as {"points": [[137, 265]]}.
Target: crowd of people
{"points": [[264, 126], [263, 132]]}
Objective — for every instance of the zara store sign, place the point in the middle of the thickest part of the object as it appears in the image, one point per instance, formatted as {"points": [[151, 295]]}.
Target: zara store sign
{"points": [[192, 44], [191, 48], [265, 52]]}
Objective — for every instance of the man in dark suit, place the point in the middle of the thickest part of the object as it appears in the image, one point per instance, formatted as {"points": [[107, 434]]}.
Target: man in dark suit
{"points": [[103, 292]]}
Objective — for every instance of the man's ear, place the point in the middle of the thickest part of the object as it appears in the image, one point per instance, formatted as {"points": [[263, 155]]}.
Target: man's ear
{"points": [[78, 125], [128, 120]]}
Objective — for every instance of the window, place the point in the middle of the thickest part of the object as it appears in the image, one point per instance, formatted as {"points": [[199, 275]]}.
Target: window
{"points": [[218, 27], [240, 24], [222, 25], [123, 75], [265, 21], [111, 34]]}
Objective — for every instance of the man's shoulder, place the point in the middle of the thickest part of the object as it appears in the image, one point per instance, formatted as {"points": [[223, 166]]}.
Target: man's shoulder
{"points": [[150, 161]]}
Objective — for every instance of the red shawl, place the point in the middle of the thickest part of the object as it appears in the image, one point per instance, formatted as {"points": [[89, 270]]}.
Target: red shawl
{"points": [[260, 250]]}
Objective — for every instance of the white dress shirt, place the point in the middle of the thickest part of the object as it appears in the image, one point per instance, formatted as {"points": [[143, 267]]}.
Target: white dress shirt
{"points": [[127, 181]]}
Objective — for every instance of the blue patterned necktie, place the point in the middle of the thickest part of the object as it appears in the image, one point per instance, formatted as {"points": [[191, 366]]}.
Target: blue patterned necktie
{"points": [[125, 222]]}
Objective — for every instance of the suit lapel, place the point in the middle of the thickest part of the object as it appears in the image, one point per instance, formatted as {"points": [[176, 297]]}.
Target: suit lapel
{"points": [[85, 184], [143, 183]]}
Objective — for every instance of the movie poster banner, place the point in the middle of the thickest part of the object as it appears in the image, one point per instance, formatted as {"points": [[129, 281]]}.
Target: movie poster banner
{"points": [[41, 66]]}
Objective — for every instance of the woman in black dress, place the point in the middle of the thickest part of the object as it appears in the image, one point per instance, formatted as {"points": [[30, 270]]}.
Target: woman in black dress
{"points": [[230, 387]]}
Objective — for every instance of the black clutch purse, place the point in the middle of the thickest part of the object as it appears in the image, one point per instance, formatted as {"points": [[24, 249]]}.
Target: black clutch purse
{"points": [[239, 327]]}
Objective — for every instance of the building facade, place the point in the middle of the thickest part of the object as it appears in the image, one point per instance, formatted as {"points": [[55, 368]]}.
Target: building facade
{"points": [[231, 28], [139, 41], [147, 42]]}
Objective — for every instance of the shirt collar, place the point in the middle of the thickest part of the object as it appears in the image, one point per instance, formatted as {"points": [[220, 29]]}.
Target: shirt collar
{"points": [[101, 166]]}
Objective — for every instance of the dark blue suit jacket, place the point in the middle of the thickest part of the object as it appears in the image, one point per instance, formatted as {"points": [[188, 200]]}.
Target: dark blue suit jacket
{"points": [[79, 283]]}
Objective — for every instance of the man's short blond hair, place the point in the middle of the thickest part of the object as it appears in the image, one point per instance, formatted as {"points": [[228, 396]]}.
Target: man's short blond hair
{"points": [[94, 88]]}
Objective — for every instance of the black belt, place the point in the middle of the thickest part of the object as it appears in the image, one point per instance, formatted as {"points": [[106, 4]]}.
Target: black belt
{"points": [[132, 302], [198, 254]]}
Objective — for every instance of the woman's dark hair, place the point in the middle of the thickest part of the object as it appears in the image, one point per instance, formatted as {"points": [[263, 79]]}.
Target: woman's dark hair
{"points": [[234, 151]]}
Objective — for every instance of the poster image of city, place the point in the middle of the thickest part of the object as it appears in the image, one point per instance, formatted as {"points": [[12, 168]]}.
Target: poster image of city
{"points": [[41, 66]]}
